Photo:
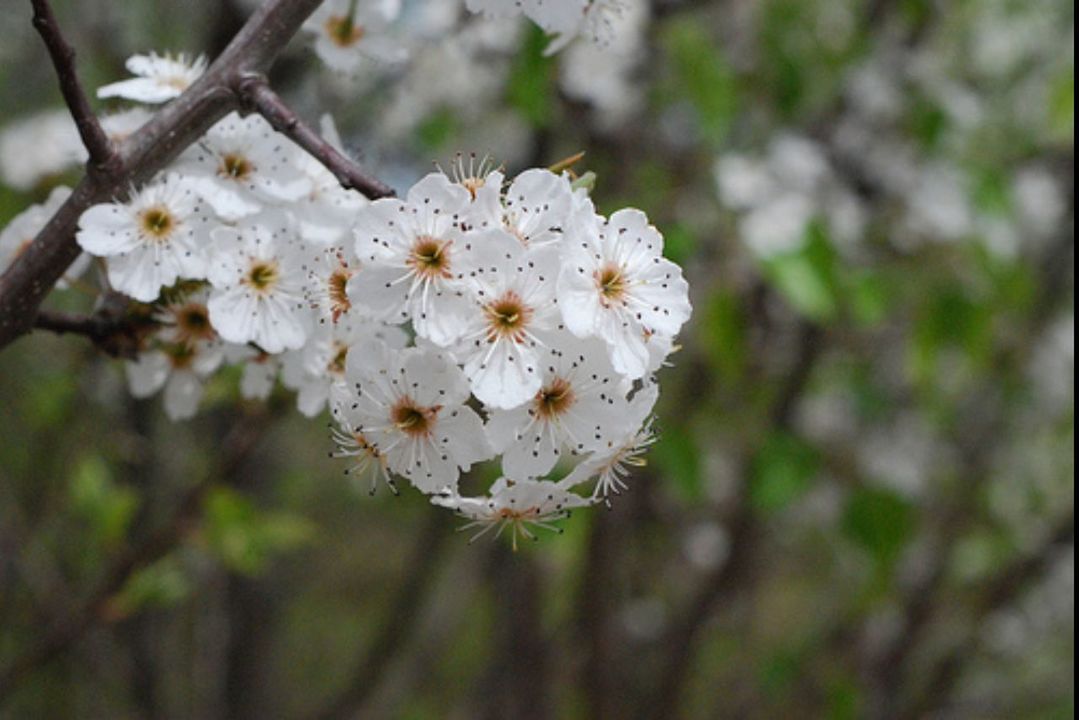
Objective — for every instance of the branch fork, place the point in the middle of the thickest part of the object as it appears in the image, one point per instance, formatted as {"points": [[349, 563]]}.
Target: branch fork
{"points": [[236, 81]]}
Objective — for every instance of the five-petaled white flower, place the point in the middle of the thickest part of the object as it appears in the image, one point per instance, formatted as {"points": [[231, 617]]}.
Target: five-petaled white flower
{"points": [[520, 505], [533, 208], [514, 290], [409, 407], [258, 273], [184, 353], [409, 253], [160, 78], [578, 406], [616, 284], [314, 369], [242, 165], [635, 435], [349, 31], [150, 241]]}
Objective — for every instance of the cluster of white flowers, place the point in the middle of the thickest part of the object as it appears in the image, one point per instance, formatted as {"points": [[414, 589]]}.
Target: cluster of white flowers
{"points": [[779, 195], [477, 319], [349, 35], [550, 316]]}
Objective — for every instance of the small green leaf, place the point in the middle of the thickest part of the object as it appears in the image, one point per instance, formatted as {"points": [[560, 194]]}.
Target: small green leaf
{"points": [[880, 521], [244, 537], [530, 88], [782, 471], [678, 457], [108, 507], [703, 75], [159, 585]]}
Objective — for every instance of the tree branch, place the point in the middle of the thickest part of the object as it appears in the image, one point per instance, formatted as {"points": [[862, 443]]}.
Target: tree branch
{"points": [[149, 150], [103, 156], [999, 593], [256, 93], [398, 627]]}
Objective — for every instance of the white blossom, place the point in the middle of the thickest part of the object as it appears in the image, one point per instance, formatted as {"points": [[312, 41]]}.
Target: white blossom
{"points": [[578, 406], [320, 364], [152, 240], [349, 31], [515, 299], [409, 407], [185, 352], [615, 284], [258, 271], [24, 227], [242, 165], [409, 253], [610, 465], [39, 146], [521, 505], [159, 78]]}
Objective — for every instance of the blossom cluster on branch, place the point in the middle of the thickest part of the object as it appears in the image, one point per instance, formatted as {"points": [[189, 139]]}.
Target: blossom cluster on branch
{"points": [[480, 318]]}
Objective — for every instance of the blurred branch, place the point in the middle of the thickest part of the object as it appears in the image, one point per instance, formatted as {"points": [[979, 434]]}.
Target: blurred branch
{"points": [[112, 328], [103, 156], [150, 149], [997, 594], [96, 609], [256, 93], [396, 630], [722, 584]]}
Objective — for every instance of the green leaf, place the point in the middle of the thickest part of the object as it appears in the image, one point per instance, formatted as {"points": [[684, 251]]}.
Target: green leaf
{"points": [[806, 277], [531, 88], [679, 243], [869, 299], [678, 457], [723, 334], [782, 471], [161, 584], [244, 537], [703, 76], [107, 506], [880, 521], [437, 129]]}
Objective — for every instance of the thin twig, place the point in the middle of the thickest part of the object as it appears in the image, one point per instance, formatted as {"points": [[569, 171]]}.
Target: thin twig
{"points": [[103, 156], [256, 93], [112, 328], [150, 149], [1000, 593]]}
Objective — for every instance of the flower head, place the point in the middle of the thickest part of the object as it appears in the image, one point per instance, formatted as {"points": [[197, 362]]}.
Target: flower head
{"points": [[258, 273], [409, 407], [615, 284], [150, 241], [159, 78]]}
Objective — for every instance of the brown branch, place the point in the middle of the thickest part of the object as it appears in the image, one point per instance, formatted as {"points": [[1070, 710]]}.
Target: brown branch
{"points": [[117, 327], [103, 156], [398, 628], [149, 150], [256, 93], [723, 583], [999, 593]]}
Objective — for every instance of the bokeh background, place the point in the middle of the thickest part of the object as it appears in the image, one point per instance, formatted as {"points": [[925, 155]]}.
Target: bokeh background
{"points": [[862, 500]]}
